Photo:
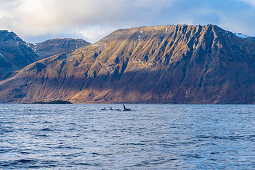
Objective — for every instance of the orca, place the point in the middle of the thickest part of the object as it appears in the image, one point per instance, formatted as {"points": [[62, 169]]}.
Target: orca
{"points": [[125, 109]]}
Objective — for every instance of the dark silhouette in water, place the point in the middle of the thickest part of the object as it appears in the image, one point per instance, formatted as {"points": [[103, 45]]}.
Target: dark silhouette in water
{"points": [[125, 109], [53, 102]]}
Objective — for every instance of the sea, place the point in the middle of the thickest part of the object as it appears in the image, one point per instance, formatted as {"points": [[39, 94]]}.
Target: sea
{"points": [[150, 136]]}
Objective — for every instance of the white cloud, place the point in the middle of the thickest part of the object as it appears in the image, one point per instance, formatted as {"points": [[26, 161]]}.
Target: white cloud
{"points": [[251, 2], [95, 33], [38, 17], [93, 19], [153, 4]]}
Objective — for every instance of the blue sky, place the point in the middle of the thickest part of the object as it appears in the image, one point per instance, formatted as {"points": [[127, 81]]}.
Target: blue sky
{"points": [[38, 20]]}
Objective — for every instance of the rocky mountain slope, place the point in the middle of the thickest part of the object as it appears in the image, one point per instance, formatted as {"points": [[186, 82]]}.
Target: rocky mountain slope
{"points": [[252, 39], [162, 64], [57, 46], [14, 54]]}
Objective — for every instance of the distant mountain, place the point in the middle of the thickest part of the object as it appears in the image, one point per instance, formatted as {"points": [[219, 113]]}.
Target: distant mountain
{"points": [[14, 54], [57, 46], [161, 64], [252, 38], [240, 35]]}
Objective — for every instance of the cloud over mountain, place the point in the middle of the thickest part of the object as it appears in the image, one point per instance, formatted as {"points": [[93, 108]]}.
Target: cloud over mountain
{"points": [[95, 18]]}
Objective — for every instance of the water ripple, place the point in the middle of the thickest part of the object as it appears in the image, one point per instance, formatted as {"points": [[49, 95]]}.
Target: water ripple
{"points": [[149, 137]]}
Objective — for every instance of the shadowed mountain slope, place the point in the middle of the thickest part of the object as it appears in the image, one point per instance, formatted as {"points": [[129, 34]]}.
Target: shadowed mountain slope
{"points": [[14, 54], [57, 46], [161, 64]]}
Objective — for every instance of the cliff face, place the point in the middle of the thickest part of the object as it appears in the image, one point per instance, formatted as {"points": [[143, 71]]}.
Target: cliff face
{"points": [[57, 46], [164, 64], [14, 54]]}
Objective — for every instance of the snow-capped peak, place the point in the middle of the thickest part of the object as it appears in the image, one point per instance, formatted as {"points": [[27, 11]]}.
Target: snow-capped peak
{"points": [[240, 35]]}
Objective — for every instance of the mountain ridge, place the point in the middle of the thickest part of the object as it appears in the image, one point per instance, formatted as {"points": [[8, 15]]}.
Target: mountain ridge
{"points": [[15, 53], [57, 46], [162, 64]]}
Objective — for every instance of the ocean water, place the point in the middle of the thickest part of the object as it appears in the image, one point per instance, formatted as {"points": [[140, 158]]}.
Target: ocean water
{"points": [[148, 137]]}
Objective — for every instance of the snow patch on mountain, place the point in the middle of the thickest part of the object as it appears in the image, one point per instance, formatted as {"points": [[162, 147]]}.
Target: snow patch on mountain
{"points": [[240, 35]]}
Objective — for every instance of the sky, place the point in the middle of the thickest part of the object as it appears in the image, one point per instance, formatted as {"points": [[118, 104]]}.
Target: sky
{"points": [[39, 20]]}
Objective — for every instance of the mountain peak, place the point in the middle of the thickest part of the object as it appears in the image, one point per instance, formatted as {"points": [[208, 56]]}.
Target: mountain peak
{"points": [[153, 30], [240, 35], [9, 36], [57, 46], [4, 31]]}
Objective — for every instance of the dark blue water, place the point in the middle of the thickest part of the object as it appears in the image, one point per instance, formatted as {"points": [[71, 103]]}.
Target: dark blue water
{"points": [[149, 137]]}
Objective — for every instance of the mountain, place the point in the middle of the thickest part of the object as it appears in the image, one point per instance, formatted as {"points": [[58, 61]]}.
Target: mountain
{"points": [[14, 54], [57, 46], [161, 64], [252, 38], [240, 35]]}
